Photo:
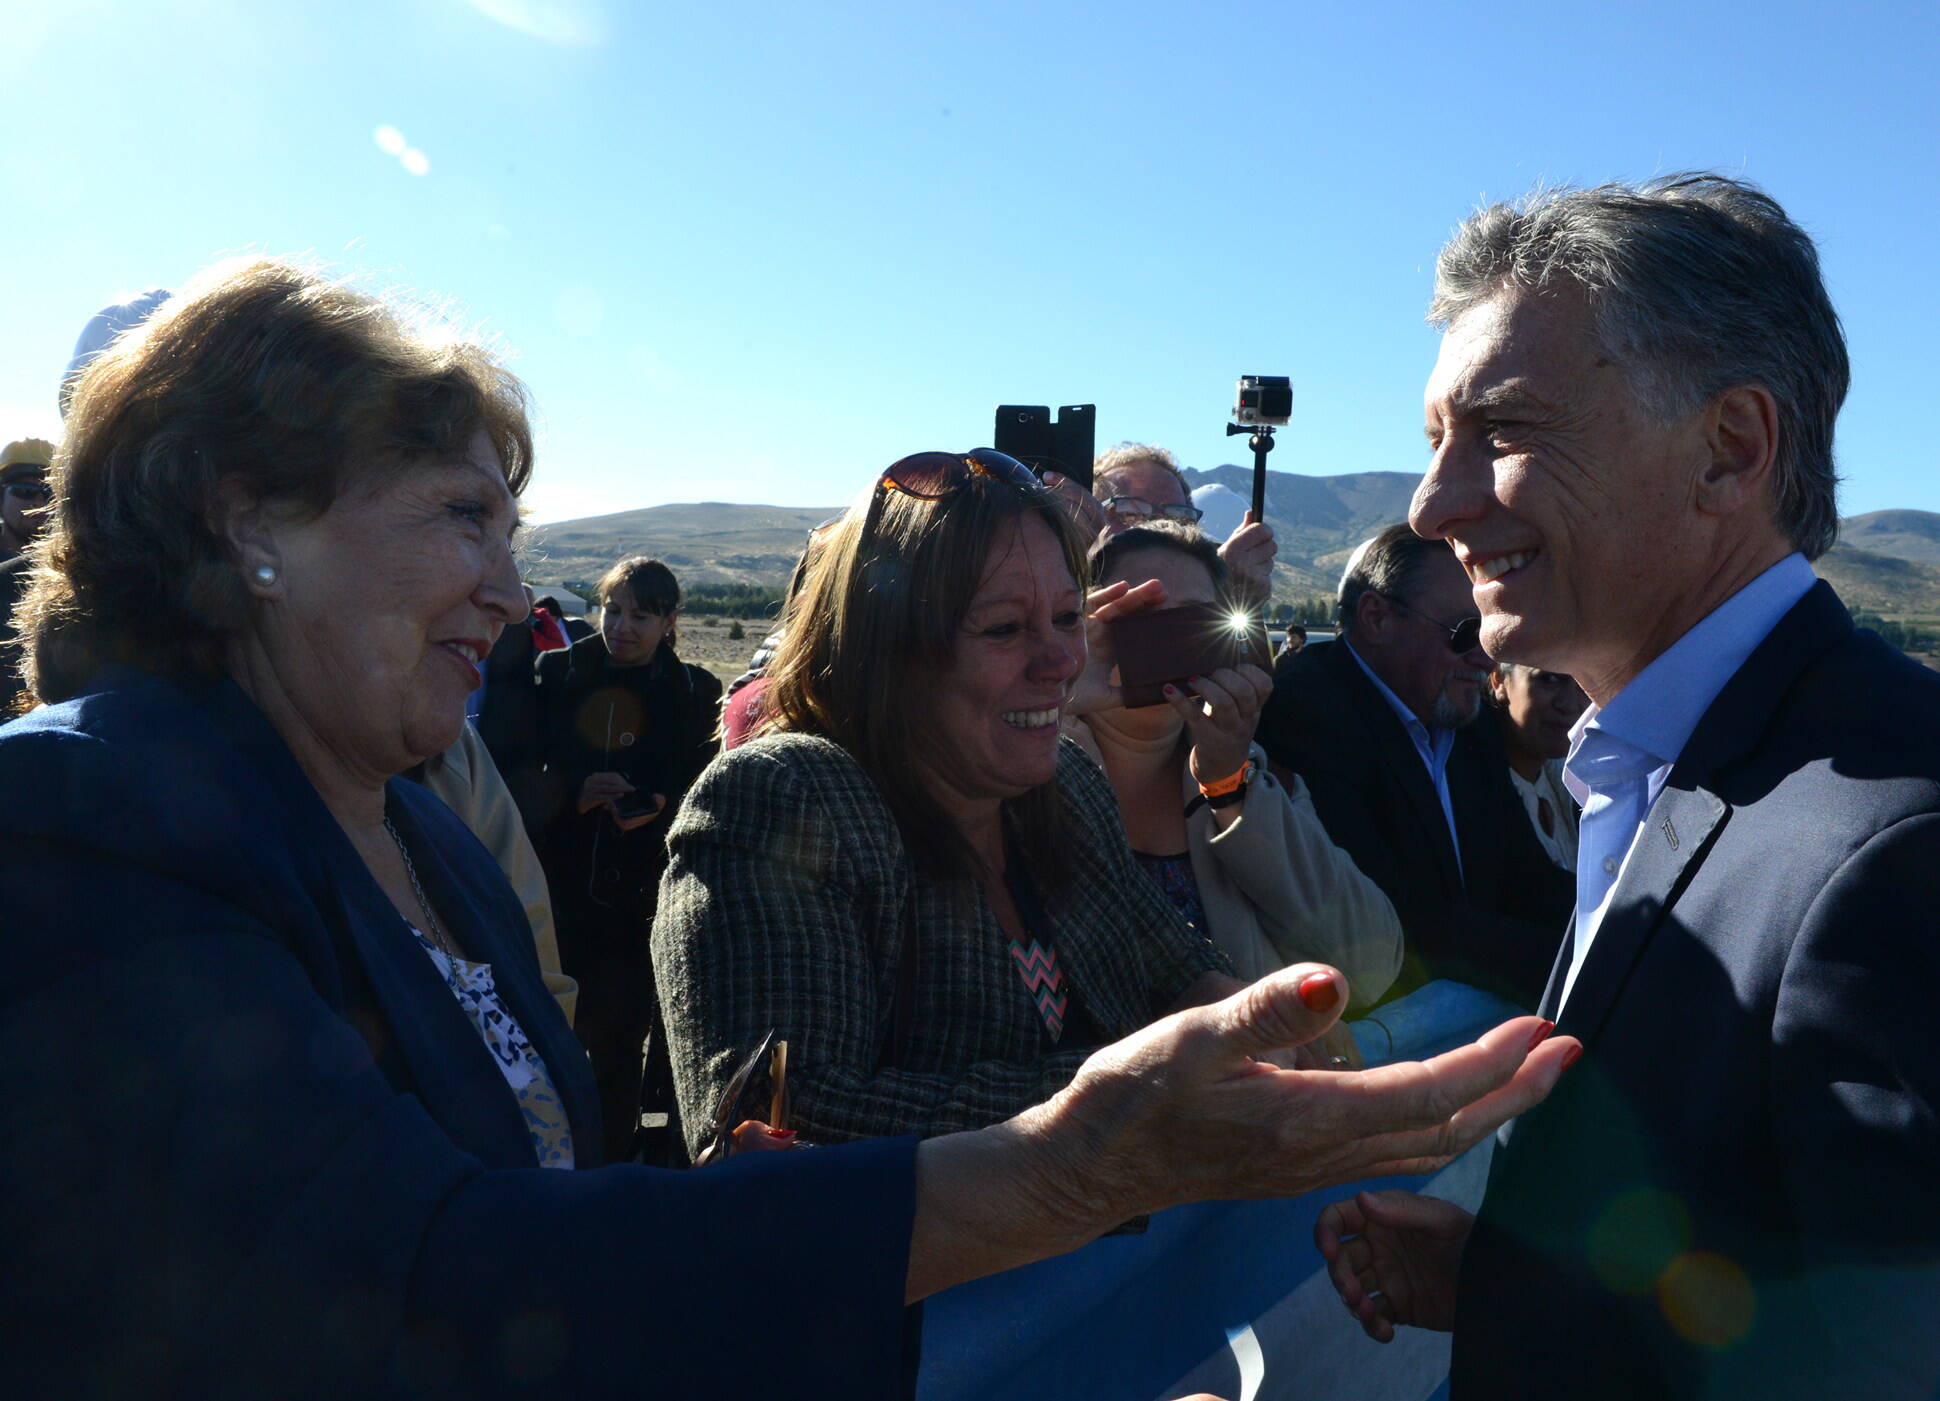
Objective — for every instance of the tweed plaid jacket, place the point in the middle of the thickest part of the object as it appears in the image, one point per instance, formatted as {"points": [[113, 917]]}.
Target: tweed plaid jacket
{"points": [[783, 907]]}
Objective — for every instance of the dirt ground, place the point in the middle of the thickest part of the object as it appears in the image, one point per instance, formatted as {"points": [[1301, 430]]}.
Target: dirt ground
{"points": [[705, 640]]}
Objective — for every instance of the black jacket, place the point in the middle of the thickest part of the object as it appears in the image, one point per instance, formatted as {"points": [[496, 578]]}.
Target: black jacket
{"points": [[1736, 1192], [1498, 929], [655, 726]]}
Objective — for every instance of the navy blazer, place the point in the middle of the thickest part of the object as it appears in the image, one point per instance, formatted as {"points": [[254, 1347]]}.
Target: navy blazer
{"points": [[1493, 920], [255, 1148], [1736, 1191]]}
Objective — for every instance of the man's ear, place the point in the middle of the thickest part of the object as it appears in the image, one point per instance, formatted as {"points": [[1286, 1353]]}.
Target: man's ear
{"points": [[1371, 614], [1741, 436], [249, 531]]}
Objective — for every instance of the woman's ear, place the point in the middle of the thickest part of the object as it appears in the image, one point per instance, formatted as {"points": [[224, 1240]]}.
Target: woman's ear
{"points": [[247, 529]]}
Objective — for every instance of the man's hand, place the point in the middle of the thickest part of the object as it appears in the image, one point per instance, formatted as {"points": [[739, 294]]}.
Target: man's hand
{"points": [[1394, 1257], [1249, 553]]}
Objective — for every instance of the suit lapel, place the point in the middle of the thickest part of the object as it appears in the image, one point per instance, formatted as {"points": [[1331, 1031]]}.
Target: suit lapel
{"points": [[1676, 836], [1688, 816], [1388, 737]]}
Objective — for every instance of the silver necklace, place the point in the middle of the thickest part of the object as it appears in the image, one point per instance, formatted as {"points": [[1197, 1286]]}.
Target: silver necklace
{"points": [[424, 902]]}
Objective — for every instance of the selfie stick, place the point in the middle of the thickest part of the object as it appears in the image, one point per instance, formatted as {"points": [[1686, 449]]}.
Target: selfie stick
{"points": [[1262, 443]]}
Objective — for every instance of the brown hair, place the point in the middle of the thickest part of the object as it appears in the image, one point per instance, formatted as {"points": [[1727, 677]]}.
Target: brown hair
{"points": [[260, 376], [876, 621], [1179, 537]]}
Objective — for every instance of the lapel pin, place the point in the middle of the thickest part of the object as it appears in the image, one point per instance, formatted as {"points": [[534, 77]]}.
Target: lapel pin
{"points": [[1670, 834]]}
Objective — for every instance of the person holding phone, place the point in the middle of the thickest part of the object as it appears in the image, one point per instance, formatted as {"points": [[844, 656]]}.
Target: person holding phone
{"points": [[625, 727], [1241, 855]]}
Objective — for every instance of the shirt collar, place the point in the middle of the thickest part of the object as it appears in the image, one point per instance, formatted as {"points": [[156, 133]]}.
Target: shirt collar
{"points": [[1655, 714]]}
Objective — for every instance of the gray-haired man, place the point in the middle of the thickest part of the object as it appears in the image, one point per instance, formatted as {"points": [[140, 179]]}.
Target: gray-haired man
{"points": [[1737, 1193]]}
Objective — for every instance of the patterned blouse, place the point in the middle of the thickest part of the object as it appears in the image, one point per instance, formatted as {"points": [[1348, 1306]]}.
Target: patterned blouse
{"points": [[1174, 876], [477, 994]]}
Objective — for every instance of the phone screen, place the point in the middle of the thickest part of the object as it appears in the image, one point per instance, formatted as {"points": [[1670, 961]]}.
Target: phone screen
{"points": [[1165, 646]]}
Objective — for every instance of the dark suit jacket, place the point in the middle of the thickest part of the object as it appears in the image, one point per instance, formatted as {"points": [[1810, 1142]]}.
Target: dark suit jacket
{"points": [[253, 1146], [1499, 928], [1736, 1192]]}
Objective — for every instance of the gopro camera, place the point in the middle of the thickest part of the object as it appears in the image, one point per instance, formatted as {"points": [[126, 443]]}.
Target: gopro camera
{"points": [[1264, 400]]}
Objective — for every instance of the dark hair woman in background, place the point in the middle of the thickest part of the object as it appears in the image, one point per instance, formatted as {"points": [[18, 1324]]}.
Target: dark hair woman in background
{"points": [[625, 727]]}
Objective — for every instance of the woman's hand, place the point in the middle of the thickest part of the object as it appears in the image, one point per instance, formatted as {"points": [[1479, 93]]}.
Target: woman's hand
{"points": [[1185, 1110], [1394, 1258], [1221, 712], [1095, 689], [1334, 1049], [602, 790]]}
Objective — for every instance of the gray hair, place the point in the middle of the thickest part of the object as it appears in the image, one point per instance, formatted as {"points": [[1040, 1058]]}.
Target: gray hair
{"points": [[1391, 565], [1124, 455], [1699, 283]]}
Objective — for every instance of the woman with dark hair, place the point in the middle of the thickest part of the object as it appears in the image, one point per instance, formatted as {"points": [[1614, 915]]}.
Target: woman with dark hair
{"points": [[625, 727], [938, 893], [290, 1111], [1241, 854]]}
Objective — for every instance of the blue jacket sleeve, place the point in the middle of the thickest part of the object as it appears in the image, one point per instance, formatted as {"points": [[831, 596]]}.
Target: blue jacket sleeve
{"points": [[209, 1189]]}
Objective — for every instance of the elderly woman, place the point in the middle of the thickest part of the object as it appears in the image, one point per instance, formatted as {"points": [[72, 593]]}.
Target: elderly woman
{"points": [[290, 1111], [908, 877], [1242, 857], [1536, 709]]}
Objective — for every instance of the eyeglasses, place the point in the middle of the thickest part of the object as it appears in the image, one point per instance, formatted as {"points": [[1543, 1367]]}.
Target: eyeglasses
{"points": [[34, 493], [1137, 508], [1463, 638], [932, 476]]}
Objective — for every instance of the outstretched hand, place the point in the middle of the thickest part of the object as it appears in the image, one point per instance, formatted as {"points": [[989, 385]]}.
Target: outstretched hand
{"points": [[1187, 1110], [1394, 1258]]}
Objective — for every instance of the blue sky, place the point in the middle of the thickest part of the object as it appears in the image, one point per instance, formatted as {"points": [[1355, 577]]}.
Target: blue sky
{"points": [[755, 252]]}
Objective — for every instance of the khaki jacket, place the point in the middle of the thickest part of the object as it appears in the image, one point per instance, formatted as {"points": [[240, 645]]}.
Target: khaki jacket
{"points": [[1277, 890]]}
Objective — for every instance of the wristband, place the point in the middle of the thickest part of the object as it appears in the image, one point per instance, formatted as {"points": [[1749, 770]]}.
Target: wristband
{"points": [[1232, 783]]}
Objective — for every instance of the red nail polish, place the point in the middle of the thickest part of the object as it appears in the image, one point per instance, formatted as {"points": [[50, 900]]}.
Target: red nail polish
{"points": [[1319, 991], [1569, 1056], [1542, 1034], [1171, 690], [783, 1134]]}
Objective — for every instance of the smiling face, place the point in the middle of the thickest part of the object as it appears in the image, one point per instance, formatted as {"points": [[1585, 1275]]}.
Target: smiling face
{"points": [[385, 606], [1538, 708], [632, 634], [1018, 652], [1570, 508]]}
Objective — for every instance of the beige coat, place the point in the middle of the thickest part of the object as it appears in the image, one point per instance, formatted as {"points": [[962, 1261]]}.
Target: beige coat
{"points": [[465, 777], [1277, 890]]}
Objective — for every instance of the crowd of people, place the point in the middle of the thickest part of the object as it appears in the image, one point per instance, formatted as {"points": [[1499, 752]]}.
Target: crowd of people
{"points": [[389, 940]]}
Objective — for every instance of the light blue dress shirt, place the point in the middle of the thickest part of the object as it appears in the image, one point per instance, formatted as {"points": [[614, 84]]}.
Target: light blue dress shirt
{"points": [[1622, 754], [1434, 747]]}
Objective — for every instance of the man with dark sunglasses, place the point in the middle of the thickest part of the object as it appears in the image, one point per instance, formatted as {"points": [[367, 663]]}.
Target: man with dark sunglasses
{"points": [[1379, 724]]}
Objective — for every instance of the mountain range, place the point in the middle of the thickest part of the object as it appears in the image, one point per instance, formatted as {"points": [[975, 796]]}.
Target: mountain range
{"points": [[1886, 562]]}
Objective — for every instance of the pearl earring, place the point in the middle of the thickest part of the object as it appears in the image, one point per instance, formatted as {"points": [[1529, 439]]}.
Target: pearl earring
{"points": [[265, 574]]}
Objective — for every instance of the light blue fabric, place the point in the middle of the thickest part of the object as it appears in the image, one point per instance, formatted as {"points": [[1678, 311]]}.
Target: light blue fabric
{"points": [[1434, 747], [1622, 754]]}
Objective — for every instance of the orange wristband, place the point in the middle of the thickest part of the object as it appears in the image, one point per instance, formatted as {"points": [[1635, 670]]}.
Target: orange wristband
{"points": [[1221, 787]]}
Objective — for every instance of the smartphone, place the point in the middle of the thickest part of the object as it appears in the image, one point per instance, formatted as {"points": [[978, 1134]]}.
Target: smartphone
{"points": [[1165, 646], [1026, 432], [638, 803]]}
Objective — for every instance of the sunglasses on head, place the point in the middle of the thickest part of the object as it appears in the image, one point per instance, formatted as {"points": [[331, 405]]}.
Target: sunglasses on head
{"points": [[1463, 638], [932, 476]]}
